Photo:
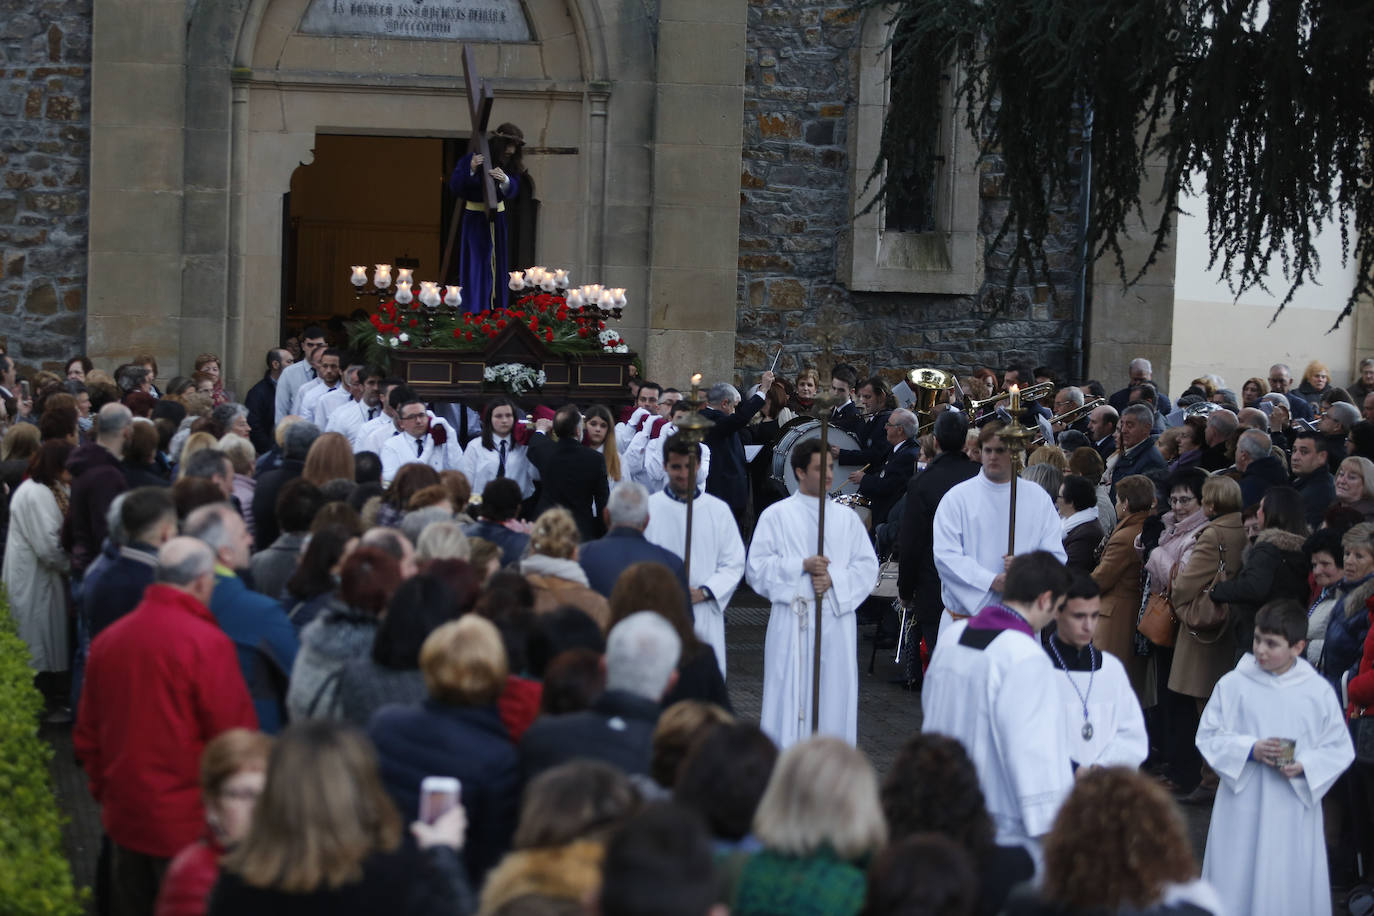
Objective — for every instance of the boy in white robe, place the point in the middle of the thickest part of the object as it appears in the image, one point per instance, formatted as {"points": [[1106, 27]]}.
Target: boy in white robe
{"points": [[971, 527], [784, 568], [717, 551], [1103, 723], [1266, 852], [991, 686]]}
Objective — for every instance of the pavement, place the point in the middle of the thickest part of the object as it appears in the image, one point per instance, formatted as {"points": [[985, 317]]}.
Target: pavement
{"points": [[888, 715]]}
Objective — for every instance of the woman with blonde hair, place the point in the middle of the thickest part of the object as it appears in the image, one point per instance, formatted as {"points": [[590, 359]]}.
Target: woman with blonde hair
{"points": [[819, 821], [1315, 380], [233, 769], [552, 570], [1052, 455], [1093, 854], [327, 839], [457, 732], [330, 458], [808, 385], [195, 442], [1354, 483], [441, 540], [597, 428]]}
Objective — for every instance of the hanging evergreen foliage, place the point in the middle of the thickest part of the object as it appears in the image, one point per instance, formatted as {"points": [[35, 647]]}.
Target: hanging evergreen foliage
{"points": [[1265, 107]]}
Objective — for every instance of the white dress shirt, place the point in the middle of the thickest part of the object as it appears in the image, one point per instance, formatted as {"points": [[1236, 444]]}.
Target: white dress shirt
{"points": [[480, 465]]}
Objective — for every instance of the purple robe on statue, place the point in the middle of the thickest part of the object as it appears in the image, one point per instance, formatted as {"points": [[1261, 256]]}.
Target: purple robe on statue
{"points": [[483, 256]]}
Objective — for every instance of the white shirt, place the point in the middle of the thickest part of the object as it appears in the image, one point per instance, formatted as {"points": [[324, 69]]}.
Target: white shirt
{"points": [[292, 379], [625, 432], [401, 450], [1117, 736], [480, 465], [374, 433], [309, 399], [328, 403], [655, 477], [351, 418]]}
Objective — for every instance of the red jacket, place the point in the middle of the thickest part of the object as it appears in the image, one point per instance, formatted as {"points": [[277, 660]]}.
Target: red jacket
{"points": [[1360, 688], [519, 704], [186, 887], [160, 683]]}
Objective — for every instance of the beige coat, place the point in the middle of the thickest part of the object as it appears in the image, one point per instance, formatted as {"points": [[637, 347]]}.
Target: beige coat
{"points": [[1200, 662], [1118, 576]]}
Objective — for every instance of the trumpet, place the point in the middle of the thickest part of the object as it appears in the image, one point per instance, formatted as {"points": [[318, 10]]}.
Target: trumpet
{"points": [[1072, 416], [1029, 393]]}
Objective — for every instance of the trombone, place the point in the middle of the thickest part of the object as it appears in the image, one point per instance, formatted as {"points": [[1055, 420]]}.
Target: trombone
{"points": [[1029, 393], [1072, 416]]}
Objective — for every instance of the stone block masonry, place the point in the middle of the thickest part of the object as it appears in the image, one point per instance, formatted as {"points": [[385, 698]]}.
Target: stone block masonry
{"points": [[801, 78], [45, 146]]}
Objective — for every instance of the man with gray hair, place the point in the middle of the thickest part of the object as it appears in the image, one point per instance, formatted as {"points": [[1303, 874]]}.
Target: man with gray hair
{"points": [[1138, 452], [729, 477], [160, 683], [1334, 425], [884, 487], [263, 636], [1281, 381], [627, 515], [1140, 371], [1259, 469], [640, 664], [1221, 425], [295, 445], [97, 478]]}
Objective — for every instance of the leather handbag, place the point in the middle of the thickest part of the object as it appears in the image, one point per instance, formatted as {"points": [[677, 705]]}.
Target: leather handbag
{"points": [[1158, 623], [1202, 615]]}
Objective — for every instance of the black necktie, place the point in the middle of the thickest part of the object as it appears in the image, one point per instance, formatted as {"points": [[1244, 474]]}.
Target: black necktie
{"points": [[372, 413], [501, 464], [312, 373], [419, 447]]}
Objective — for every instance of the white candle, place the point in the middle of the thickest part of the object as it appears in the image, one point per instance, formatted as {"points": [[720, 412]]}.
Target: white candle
{"points": [[359, 277], [404, 276], [561, 278], [574, 299], [382, 278], [429, 293], [453, 296], [517, 280], [618, 297], [403, 296], [547, 283]]}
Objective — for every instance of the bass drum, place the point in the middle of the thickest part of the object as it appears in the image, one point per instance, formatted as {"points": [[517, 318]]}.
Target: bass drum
{"points": [[799, 433]]}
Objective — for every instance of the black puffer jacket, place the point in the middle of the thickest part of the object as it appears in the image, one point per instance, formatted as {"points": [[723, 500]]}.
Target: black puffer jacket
{"points": [[1273, 567]]}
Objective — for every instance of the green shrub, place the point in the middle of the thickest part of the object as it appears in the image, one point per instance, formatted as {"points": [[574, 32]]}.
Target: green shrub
{"points": [[35, 876]]}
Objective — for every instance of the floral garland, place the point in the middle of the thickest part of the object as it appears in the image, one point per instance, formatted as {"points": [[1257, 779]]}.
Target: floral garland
{"points": [[517, 377]]}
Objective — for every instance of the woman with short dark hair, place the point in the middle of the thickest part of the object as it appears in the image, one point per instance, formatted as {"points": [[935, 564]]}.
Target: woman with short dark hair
{"points": [[1082, 533]]}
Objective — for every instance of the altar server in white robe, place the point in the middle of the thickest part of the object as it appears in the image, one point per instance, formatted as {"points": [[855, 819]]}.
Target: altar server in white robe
{"points": [[422, 439], [496, 453], [971, 526], [784, 568], [717, 551], [1266, 852], [1104, 725], [646, 408], [652, 473], [991, 685]]}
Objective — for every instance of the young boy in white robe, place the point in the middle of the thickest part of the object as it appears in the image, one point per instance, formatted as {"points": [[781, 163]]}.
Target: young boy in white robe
{"points": [[783, 567], [991, 685], [1274, 732], [1103, 722]]}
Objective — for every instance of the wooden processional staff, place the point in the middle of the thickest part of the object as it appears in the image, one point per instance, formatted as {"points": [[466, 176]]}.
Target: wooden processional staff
{"points": [[823, 402], [1015, 437]]}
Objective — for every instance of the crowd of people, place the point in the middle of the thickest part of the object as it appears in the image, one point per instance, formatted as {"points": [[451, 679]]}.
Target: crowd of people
{"points": [[340, 648]]}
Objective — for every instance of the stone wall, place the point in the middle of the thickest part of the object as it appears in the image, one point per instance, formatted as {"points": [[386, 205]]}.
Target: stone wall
{"points": [[45, 95], [800, 79]]}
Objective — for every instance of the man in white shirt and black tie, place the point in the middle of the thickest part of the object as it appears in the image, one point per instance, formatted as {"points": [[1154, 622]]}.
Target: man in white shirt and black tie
{"points": [[351, 417], [328, 378], [421, 440]]}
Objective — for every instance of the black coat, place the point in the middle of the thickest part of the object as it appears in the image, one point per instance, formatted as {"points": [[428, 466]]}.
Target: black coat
{"points": [[573, 476], [1080, 545], [884, 487], [1318, 492], [261, 401], [470, 743], [604, 560], [1273, 567], [265, 500], [618, 729], [512, 543], [729, 479], [1214, 458], [698, 678], [847, 417], [873, 443], [115, 584], [917, 579], [1262, 474]]}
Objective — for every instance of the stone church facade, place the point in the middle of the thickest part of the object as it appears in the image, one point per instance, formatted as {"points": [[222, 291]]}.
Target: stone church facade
{"points": [[708, 155]]}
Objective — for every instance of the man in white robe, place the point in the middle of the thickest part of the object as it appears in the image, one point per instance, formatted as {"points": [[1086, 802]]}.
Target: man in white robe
{"points": [[971, 527], [991, 686], [783, 567], [420, 441], [644, 458], [1103, 723], [717, 551], [646, 408], [1266, 853]]}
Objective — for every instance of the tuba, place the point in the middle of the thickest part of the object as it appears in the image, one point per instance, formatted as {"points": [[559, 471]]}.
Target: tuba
{"points": [[927, 385]]}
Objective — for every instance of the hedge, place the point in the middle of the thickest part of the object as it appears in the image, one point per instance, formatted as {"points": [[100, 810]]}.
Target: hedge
{"points": [[35, 876]]}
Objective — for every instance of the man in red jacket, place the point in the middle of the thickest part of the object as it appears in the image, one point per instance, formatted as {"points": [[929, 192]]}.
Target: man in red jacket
{"points": [[160, 683]]}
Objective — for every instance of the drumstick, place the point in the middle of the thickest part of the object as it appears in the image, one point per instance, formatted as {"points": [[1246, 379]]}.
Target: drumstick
{"points": [[841, 486], [775, 359]]}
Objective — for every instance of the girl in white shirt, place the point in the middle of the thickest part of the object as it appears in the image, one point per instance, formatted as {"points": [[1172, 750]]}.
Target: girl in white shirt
{"points": [[484, 458]]}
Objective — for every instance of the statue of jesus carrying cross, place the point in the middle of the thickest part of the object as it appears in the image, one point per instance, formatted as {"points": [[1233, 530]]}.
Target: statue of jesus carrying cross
{"points": [[482, 185]]}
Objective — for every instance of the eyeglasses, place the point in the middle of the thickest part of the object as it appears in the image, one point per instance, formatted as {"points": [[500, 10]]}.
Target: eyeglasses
{"points": [[1181, 500], [414, 416]]}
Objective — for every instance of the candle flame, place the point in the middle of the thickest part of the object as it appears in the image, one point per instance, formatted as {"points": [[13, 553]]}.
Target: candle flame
{"points": [[696, 379]]}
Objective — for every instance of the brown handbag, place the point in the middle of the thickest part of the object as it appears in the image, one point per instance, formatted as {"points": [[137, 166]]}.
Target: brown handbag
{"points": [[1158, 623], [1202, 616]]}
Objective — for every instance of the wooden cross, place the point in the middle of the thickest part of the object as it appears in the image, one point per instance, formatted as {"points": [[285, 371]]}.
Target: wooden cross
{"points": [[479, 101]]}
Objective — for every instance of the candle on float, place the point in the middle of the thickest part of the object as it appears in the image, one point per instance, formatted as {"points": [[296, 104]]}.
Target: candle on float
{"points": [[696, 389], [561, 278], [1015, 401], [359, 276], [517, 280], [575, 299], [618, 297], [429, 293], [403, 294], [382, 277], [453, 296], [405, 276]]}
